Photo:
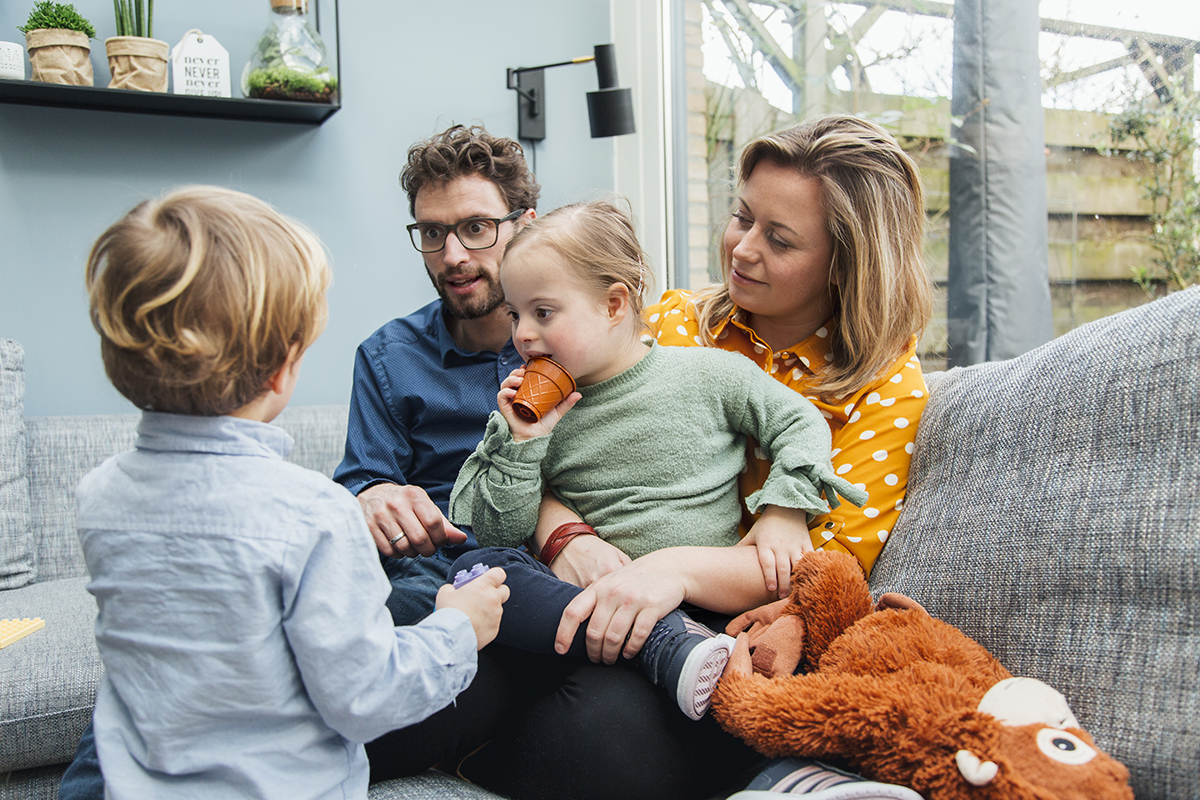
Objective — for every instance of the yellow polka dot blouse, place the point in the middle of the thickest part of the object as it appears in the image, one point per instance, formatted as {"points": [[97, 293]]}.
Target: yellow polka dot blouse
{"points": [[873, 429]]}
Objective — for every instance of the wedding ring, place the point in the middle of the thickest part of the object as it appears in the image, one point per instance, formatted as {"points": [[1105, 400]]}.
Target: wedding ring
{"points": [[392, 542]]}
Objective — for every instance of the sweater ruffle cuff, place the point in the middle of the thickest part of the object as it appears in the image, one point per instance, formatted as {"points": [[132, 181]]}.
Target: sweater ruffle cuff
{"points": [[499, 460], [814, 488]]}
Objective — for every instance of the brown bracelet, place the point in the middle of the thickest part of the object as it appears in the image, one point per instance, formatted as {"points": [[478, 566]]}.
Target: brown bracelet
{"points": [[559, 538]]}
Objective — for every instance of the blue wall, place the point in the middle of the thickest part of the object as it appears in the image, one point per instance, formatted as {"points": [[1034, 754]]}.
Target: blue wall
{"points": [[408, 70]]}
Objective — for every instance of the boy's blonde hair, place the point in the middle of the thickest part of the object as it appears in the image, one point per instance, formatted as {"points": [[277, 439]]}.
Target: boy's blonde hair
{"points": [[597, 242], [199, 296], [875, 214]]}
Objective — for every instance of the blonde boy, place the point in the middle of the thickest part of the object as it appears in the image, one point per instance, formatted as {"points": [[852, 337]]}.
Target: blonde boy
{"points": [[246, 645]]}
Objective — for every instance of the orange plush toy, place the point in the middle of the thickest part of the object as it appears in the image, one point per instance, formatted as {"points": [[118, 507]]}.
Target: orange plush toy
{"points": [[901, 698]]}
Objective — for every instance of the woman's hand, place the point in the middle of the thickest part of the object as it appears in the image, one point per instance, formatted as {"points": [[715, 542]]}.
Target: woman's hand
{"points": [[623, 607], [781, 536], [586, 559], [522, 430]]}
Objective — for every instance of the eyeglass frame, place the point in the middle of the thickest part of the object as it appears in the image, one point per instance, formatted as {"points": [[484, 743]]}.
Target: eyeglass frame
{"points": [[511, 217]]}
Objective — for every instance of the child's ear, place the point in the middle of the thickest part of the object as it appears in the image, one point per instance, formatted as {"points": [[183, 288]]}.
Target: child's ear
{"points": [[277, 383], [618, 302]]}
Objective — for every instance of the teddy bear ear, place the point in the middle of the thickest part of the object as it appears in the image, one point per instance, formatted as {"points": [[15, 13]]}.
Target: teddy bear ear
{"points": [[1027, 701]]}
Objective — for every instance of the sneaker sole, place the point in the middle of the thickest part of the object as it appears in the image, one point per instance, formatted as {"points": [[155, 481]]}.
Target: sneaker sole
{"points": [[701, 671]]}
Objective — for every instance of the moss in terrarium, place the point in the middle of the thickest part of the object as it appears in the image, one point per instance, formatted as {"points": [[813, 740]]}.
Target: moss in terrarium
{"points": [[284, 83], [47, 14]]}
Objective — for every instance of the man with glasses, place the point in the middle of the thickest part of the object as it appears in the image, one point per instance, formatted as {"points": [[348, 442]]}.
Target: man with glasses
{"points": [[424, 384]]}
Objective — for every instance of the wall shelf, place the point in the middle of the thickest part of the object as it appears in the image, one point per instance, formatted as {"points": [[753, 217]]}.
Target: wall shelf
{"points": [[35, 93], [180, 105]]}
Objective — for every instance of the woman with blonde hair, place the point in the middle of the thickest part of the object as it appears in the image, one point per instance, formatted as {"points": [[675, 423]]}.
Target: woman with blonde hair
{"points": [[825, 288]]}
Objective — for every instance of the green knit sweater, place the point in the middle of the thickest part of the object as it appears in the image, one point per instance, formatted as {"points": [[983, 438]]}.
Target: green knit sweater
{"points": [[650, 457]]}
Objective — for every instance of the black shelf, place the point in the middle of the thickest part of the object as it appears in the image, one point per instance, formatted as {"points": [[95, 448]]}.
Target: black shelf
{"points": [[62, 96]]}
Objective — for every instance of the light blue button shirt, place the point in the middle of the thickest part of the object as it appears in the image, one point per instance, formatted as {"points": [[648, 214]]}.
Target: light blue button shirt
{"points": [[246, 645]]}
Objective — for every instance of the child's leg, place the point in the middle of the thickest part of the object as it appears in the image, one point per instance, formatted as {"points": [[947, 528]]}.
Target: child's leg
{"points": [[680, 655], [535, 604]]}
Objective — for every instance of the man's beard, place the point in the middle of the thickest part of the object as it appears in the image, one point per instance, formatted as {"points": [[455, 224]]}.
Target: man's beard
{"points": [[474, 307]]}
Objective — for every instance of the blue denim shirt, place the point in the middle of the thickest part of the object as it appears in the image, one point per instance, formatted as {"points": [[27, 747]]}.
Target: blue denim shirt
{"points": [[419, 405], [246, 645]]}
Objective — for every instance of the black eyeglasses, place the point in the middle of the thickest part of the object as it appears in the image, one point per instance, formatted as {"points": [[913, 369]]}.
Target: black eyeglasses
{"points": [[475, 233]]}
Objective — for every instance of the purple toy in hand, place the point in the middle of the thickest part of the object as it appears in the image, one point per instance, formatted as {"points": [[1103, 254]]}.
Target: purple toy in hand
{"points": [[464, 577]]}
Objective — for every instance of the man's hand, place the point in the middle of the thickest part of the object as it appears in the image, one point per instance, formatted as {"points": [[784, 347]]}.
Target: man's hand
{"points": [[481, 600], [406, 515]]}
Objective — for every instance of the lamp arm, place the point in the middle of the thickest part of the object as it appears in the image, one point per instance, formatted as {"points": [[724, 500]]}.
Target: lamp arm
{"points": [[579, 60]]}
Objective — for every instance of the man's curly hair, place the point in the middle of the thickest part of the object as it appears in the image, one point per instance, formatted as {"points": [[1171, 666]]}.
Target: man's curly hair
{"points": [[460, 151]]}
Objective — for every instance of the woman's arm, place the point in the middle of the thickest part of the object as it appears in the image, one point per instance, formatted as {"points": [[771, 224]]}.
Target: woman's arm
{"points": [[622, 607], [583, 559]]}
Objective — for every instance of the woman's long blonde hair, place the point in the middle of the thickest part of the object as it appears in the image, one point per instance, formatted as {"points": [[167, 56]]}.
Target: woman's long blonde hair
{"points": [[875, 215]]}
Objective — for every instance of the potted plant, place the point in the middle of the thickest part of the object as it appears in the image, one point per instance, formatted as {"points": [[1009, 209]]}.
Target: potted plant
{"points": [[136, 59], [56, 37], [288, 63]]}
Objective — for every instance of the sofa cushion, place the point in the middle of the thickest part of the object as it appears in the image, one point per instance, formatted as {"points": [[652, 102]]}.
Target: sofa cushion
{"points": [[61, 451], [48, 679], [1053, 514], [16, 545], [320, 435]]}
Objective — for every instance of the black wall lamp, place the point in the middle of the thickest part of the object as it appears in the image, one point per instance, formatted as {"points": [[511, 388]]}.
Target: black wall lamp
{"points": [[610, 109]]}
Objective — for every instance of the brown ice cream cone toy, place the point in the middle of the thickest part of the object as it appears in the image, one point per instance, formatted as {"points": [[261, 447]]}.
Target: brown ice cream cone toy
{"points": [[546, 384]]}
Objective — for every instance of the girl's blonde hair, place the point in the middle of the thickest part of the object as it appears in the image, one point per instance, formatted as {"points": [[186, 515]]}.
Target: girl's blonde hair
{"points": [[598, 243], [875, 215], [199, 296]]}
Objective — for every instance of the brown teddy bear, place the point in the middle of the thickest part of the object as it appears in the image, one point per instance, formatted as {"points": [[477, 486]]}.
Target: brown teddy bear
{"points": [[901, 698]]}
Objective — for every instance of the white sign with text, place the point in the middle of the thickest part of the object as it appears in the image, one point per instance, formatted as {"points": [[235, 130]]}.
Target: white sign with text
{"points": [[200, 65]]}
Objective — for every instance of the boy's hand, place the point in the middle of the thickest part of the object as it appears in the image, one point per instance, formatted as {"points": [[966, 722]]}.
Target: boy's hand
{"points": [[482, 600], [782, 538], [522, 430], [406, 516]]}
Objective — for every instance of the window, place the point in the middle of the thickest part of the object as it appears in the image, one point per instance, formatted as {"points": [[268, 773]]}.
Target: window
{"points": [[743, 68]]}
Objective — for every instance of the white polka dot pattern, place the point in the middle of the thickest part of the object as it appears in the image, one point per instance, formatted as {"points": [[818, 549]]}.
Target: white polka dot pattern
{"points": [[873, 429]]}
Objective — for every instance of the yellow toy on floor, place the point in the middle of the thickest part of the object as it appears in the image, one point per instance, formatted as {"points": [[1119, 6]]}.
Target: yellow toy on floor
{"points": [[13, 629], [901, 698]]}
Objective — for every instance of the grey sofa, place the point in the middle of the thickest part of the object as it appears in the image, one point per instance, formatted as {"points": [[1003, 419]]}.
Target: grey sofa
{"points": [[1053, 514]]}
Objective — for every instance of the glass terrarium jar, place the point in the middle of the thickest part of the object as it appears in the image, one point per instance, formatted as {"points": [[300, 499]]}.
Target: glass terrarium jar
{"points": [[288, 63]]}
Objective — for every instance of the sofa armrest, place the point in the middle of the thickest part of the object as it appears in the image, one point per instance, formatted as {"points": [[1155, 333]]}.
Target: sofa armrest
{"points": [[1053, 514]]}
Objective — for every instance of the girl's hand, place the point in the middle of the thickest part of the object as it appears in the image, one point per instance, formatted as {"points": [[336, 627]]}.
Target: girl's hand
{"points": [[522, 430], [623, 607], [481, 600], [781, 536]]}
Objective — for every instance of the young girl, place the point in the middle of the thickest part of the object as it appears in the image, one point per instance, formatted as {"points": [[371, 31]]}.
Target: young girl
{"points": [[644, 462]]}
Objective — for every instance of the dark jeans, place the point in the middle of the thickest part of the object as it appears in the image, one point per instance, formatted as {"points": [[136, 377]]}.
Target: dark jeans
{"points": [[415, 582], [533, 727], [82, 780], [536, 601]]}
